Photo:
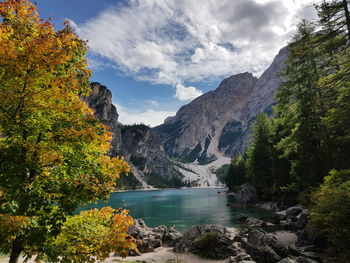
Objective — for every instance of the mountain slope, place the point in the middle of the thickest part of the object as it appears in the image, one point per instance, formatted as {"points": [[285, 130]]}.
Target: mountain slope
{"points": [[139, 145], [218, 122]]}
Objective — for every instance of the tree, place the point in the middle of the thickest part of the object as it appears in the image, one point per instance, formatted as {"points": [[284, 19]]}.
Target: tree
{"points": [[52, 149], [331, 211], [301, 103], [334, 43], [260, 155], [236, 173]]}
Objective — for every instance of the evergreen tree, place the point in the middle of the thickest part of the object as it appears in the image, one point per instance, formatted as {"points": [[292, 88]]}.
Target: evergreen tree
{"points": [[260, 155], [300, 101], [236, 174]]}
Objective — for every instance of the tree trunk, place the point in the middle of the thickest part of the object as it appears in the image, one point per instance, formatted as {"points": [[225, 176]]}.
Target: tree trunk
{"points": [[17, 248], [347, 16]]}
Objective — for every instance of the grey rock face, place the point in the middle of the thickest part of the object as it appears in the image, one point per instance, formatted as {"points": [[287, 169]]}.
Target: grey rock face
{"points": [[142, 147], [246, 195], [139, 145], [251, 221], [147, 238], [220, 120], [100, 100], [207, 240], [196, 129], [173, 237]]}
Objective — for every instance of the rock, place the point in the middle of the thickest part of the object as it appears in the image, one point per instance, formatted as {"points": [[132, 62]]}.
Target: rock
{"points": [[293, 211], [139, 144], [297, 222], [245, 195], [306, 260], [263, 247], [240, 258], [270, 206], [220, 120], [162, 230], [206, 240], [147, 238], [287, 260], [172, 237], [297, 260], [278, 217], [251, 221], [287, 238]]}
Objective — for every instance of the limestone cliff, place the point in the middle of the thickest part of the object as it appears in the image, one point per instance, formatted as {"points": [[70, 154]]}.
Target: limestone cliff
{"points": [[139, 145], [218, 122]]}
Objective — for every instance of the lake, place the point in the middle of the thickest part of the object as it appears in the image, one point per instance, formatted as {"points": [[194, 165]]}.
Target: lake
{"points": [[180, 207]]}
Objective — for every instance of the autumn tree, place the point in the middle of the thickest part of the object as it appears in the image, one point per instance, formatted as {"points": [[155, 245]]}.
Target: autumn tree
{"points": [[52, 149]]}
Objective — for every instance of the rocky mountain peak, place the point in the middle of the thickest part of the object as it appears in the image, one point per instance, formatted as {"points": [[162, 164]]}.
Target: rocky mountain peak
{"points": [[217, 123], [140, 146], [235, 82], [100, 100]]}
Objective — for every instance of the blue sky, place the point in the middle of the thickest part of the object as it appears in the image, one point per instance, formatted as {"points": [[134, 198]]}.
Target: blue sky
{"points": [[157, 55]]}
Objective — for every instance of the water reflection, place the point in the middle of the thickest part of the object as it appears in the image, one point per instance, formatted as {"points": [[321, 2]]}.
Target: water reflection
{"points": [[180, 207]]}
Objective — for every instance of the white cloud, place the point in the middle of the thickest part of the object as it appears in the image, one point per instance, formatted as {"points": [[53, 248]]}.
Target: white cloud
{"points": [[154, 103], [148, 117], [186, 93], [174, 41]]}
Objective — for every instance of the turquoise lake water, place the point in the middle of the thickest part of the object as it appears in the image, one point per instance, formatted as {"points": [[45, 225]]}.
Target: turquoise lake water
{"points": [[180, 207]]}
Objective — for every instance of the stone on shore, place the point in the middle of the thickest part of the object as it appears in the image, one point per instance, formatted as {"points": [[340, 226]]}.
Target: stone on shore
{"points": [[207, 240]]}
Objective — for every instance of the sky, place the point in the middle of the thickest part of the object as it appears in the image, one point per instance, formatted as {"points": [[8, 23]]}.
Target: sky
{"points": [[157, 55]]}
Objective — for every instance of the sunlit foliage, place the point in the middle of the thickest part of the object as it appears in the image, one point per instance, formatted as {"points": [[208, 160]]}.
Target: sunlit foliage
{"points": [[52, 149]]}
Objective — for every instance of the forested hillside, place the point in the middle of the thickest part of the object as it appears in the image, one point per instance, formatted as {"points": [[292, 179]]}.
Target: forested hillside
{"points": [[303, 151]]}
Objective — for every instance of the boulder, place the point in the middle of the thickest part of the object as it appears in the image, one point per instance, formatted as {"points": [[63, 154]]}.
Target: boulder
{"points": [[270, 206], [278, 217], [251, 221], [287, 260], [240, 258], [263, 247], [147, 238], [207, 240], [172, 237], [246, 195], [161, 230], [298, 223], [293, 211]]}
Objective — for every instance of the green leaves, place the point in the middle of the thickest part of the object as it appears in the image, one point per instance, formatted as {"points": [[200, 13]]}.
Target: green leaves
{"points": [[331, 211], [53, 152]]}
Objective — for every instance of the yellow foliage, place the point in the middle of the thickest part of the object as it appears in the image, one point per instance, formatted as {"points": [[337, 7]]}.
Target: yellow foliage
{"points": [[53, 151]]}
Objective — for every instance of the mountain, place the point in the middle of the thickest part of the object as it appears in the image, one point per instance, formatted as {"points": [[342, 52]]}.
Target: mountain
{"points": [[204, 134], [139, 145], [217, 123]]}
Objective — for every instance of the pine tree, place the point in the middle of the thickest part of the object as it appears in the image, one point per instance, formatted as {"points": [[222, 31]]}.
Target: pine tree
{"points": [[300, 102], [260, 155]]}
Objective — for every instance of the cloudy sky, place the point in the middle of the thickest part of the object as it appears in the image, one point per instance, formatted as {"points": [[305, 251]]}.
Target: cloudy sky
{"points": [[157, 55]]}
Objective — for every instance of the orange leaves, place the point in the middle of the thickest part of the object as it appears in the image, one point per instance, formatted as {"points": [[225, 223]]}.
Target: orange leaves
{"points": [[53, 151], [11, 226], [94, 234]]}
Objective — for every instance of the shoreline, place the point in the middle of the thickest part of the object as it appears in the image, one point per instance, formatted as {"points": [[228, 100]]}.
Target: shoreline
{"points": [[160, 189]]}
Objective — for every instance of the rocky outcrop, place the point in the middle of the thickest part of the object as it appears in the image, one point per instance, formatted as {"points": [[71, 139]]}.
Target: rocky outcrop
{"points": [[208, 240], [100, 100], [293, 218], [142, 147], [147, 239], [245, 195], [267, 248], [139, 145], [195, 132], [249, 221], [219, 121], [249, 245]]}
